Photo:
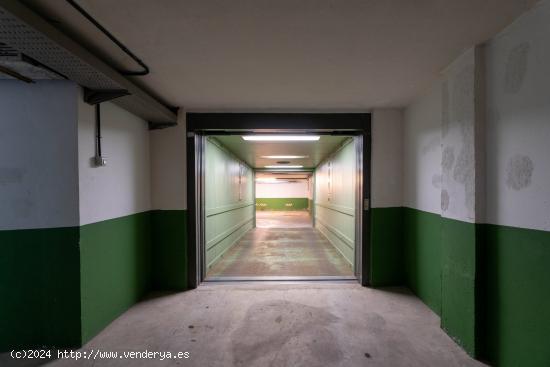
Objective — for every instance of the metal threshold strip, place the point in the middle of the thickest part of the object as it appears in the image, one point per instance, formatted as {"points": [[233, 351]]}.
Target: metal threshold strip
{"points": [[320, 278]]}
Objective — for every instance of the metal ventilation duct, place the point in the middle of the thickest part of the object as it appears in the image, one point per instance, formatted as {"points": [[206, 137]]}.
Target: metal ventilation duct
{"points": [[23, 30]]}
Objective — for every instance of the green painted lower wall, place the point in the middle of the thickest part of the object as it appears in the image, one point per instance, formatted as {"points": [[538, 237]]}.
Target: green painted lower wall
{"points": [[423, 255], [61, 286], [281, 203], [517, 289], [115, 258], [387, 250], [490, 284], [39, 288], [440, 267], [58, 293], [169, 249], [458, 281]]}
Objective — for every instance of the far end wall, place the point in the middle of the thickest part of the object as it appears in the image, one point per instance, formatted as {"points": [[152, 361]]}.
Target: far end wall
{"points": [[282, 196]]}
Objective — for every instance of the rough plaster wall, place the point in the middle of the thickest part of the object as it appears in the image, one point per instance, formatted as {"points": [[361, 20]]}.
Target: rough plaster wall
{"points": [[282, 190], [168, 166], [387, 158], [422, 152], [458, 129], [122, 187], [38, 154], [518, 122]]}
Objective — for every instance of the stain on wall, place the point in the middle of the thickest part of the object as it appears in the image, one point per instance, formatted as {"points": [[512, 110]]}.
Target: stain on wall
{"points": [[447, 158], [519, 172], [458, 140], [516, 68], [464, 173], [444, 200]]}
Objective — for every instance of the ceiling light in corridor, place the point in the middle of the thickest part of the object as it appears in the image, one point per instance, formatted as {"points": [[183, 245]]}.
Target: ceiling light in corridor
{"points": [[281, 137], [284, 156], [270, 180], [285, 166]]}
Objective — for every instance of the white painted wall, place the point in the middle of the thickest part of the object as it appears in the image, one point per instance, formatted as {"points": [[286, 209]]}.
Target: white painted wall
{"points": [[297, 189], [518, 122], [122, 187], [422, 152], [387, 158], [38, 154], [168, 166]]}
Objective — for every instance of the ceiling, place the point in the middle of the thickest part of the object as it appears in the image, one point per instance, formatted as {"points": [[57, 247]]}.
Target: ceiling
{"points": [[251, 152], [307, 55]]}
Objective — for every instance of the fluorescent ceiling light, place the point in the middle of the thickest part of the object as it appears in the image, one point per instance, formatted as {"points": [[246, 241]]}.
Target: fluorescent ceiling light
{"points": [[283, 166], [284, 156], [270, 180], [281, 137]]}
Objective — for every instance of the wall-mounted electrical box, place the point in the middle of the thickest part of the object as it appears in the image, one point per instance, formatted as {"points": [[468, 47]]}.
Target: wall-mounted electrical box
{"points": [[100, 161]]}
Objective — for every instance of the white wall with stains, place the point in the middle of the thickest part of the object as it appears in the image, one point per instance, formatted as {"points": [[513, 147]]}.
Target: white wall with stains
{"points": [[387, 158], [461, 198], [38, 154], [422, 152], [518, 122]]}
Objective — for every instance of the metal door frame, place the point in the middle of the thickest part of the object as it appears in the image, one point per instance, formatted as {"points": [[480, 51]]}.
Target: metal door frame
{"points": [[200, 125]]}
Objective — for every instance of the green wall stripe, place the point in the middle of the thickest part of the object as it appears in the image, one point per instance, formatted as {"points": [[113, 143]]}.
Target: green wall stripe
{"points": [[458, 281], [281, 203], [423, 255], [115, 268], [51, 286], [387, 248], [516, 285], [39, 288], [169, 249]]}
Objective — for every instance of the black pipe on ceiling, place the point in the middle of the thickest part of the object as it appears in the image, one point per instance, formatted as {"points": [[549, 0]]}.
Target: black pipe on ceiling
{"points": [[125, 49], [98, 130]]}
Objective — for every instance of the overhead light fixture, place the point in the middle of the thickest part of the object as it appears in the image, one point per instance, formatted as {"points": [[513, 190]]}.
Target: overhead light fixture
{"points": [[285, 166], [270, 180], [284, 156], [281, 137]]}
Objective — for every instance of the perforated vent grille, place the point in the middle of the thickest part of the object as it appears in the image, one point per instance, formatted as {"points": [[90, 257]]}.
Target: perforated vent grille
{"points": [[25, 39], [6, 50]]}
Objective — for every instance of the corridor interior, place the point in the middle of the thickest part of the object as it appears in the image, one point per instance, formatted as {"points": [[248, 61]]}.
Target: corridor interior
{"points": [[280, 207]]}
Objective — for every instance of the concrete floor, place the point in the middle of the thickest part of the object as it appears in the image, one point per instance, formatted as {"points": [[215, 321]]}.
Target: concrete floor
{"points": [[313, 324], [285, 245]]}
